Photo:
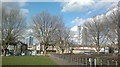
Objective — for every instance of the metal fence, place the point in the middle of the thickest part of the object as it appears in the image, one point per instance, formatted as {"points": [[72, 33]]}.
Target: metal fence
{"points": [[91, 60]]}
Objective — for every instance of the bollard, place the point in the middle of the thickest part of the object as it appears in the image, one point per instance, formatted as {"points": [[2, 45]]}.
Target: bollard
{"points": [[95, 62], [90, 62]]}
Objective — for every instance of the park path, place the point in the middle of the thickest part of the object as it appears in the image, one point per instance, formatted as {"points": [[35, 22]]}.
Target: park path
{"points": [[59, 61]]}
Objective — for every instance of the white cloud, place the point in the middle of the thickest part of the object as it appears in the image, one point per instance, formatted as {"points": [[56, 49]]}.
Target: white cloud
{"points": [[24, 11], [13, 4], [106, 4], [74, 33], [14, 0], [48, 0], [109, 0], [75, 29], [81, 5], [77, 21], [76, 5]]}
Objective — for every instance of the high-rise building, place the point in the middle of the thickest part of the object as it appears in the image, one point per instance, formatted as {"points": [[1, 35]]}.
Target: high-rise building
{"points": [[79, 34], [82, 35], [30, 40]]}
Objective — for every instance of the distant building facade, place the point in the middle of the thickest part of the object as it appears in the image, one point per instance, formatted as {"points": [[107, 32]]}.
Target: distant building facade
{"points": [[29, 40], [82, 35]]}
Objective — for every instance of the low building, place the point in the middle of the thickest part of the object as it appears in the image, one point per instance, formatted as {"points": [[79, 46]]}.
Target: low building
{"points": [[17, 48]]}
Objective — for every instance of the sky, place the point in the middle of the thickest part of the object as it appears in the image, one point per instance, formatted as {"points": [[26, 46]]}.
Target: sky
{"points": [[70, 16], [74, 12]]}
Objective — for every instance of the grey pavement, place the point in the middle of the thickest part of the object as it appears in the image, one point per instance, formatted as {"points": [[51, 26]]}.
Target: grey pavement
{"points": [[59, 61]]}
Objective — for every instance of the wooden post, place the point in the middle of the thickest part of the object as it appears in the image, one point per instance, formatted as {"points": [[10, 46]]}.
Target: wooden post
{"points": [[90, 61], [95, 62], [116, 63]]}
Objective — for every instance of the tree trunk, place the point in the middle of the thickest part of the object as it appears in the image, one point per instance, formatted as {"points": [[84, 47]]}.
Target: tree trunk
{"points": [[98, 45], [26, 51], [5, 50], [21, 51], [62, 51], [98, 52], [44, 53]]}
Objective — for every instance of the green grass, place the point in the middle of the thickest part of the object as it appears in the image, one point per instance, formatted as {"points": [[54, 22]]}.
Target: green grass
{"points": [[27, 60]]}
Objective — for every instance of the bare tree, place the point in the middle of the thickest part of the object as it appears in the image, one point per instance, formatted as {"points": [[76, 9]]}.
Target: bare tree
{"points": [[44, 27], [13, 23], [113, 17], [62, 38], [103, 29], [97, 31]]}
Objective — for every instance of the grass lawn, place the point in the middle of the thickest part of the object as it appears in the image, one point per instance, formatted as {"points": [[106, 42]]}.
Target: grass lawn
{"points": [[27, 60]]}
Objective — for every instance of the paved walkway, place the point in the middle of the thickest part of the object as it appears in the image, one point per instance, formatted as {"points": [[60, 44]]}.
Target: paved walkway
{"points": [[59, 61]]}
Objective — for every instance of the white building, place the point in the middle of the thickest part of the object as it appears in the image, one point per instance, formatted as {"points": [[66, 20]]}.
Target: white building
{"points": [[82, 35]]}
